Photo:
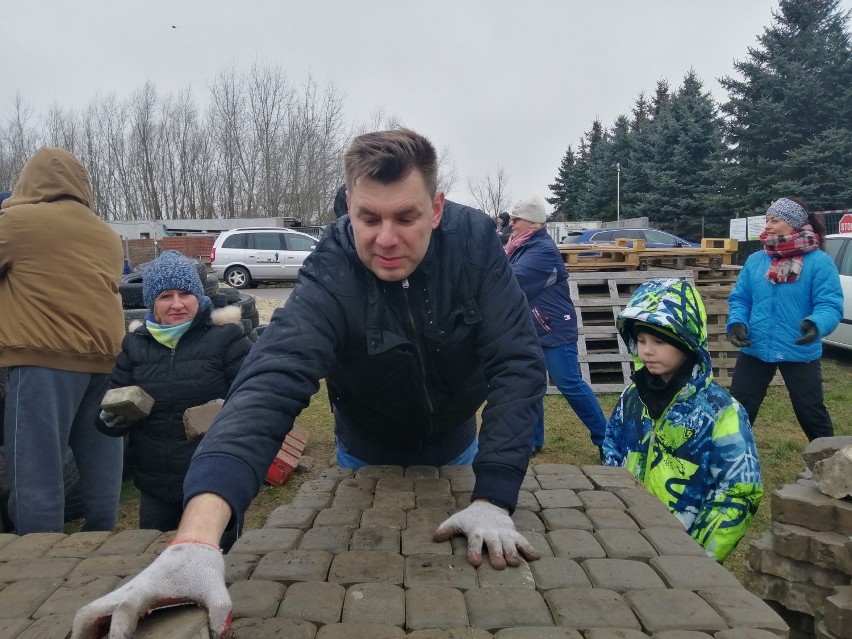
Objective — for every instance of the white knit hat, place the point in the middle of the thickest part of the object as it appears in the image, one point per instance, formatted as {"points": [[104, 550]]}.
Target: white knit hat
{"points": [[531, 209]]}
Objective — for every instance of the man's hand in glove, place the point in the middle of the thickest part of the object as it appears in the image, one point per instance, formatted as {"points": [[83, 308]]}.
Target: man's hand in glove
{"points": [[738, 335], [185, 571], [483, 522], [809, 332], [111, 420]]}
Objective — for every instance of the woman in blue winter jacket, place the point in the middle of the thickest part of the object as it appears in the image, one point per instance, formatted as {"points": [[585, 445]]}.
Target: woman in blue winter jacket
{"points": [[786, 298], [540, 270]]}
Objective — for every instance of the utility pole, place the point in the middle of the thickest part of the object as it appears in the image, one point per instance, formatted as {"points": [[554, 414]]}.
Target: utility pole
{"points": [[618, 191]]}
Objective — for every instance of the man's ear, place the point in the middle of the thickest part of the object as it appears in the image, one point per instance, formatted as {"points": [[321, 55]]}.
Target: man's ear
{"points": [[437, 209]]}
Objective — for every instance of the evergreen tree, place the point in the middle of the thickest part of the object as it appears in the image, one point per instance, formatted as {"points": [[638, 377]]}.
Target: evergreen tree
{"points": [[792, 111], [599, 198], [564, 188]]}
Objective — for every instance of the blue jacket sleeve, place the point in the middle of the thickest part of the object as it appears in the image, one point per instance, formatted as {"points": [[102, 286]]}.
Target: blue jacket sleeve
{"points": [[826, 296]]}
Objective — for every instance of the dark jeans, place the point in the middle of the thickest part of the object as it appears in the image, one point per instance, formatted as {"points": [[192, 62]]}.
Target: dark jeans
{"points": [[804, 385]]}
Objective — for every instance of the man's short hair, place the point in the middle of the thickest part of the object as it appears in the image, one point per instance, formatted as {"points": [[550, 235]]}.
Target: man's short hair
{"points": [[388, 156]]}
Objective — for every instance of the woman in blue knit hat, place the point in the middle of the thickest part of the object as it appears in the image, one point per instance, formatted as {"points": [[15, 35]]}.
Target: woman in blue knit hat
{"points": [[786, 298], [185, 354]]}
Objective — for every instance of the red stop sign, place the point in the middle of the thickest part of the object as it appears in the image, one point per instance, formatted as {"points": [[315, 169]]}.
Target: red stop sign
{"points": [[846, 223]]}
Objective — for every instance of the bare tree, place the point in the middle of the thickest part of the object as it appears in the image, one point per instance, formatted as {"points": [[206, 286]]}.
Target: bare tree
{"points": [[491, 193]]}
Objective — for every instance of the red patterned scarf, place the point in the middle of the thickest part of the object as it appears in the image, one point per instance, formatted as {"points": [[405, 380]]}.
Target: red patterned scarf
{"points": [[518, 240], [786, 252]]}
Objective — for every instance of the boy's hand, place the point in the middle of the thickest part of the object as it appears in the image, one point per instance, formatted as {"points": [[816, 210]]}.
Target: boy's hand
{"points": [[738, 335], [809, 332]]}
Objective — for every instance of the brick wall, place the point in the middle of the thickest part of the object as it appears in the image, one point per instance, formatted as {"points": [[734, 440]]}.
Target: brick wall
{"points": [[196, 247]]}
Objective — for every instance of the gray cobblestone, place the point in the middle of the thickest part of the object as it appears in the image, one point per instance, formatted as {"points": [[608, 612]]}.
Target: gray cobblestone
{"points": [[359, 631], [558, 498], [665, 609], [528, 520], [49, 627], [272, 629], [557, 518], [619, 543], [673, 541], [374, 603], [375, 538], [450, 633], [621, 575], [537, 633], [558, 572], [81, 544], [333, 539], [128, 542], [383, 518], [356, 566], [74, 594], [450, 571], [316, 601], [22, 598], [585, 608], [496, 608], [741, 609], [30, 546], [291, 566], [603, 518], [574, 544], [693, 573], [434, 607], [518, 577], [263, 540], [600, 499], [289, 517], [41, 568], [256, 598], [418, 540], [350, 517]]}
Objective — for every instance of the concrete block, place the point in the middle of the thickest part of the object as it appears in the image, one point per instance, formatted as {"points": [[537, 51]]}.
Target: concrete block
{"points": [[112, 565], [564, 482], [619, 543], [833, 475], [837, 615], [614, 633], [746, 633], [81, 544], [824, 447], [528, 520], [656, 516], [197, 420], [382, 539], [378, 472], [359, 630], [558, 498], [681, 634], [655, 609], [510, 577], [74, 594], [384, 518], [316, 501], [496, 608], [130, 402], [374, 603], [39, 568], [404, 500], [359, 500], [278, 628], [449, 571], [287, 516], [357, 566], [673, 541], [558, 572], [463, 632], [599, 499], [527, 501], [290, 566], [256, 598], [435, 607], [418, 540], [821, 631], [346, 517], [22, 598], [426, 517], [574, 544], [764, 560], [587, 608], [799, 597], [621, 575], [314, 601], [30, 546], [693, 573], [742, 609], [604, 518], [333, 539], [128, 542], [49, 627], [180, 622], [264, 540], [306, 464], [422, 472], [808, 507], [538, 542], [565, 470], [11, 627], [559, 518], [239, 567]]}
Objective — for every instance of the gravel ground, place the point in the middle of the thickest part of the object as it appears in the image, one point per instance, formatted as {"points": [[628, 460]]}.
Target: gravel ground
{"points": [[265, 307]]}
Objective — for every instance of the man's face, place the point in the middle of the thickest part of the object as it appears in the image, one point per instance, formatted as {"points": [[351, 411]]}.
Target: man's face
{"points": [[393, 223]]}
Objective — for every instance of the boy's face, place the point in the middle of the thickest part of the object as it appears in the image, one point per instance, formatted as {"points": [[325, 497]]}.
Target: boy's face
{"points": [[659, 357]]}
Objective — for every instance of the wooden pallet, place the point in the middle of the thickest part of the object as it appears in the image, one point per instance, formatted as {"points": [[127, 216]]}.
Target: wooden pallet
{"points": [[599, 297], [624, 254]]}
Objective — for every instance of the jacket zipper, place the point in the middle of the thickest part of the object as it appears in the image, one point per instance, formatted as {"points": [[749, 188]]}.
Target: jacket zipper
{"points": [[419, 350]]}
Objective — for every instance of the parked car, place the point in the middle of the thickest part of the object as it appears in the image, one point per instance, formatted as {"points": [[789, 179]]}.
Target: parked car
{"points": [[245, 256], [654, 238], [839, 246]]}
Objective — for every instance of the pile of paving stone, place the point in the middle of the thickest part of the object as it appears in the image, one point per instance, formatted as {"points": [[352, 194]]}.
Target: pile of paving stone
{"points": [[803, 566], [352, 557]]}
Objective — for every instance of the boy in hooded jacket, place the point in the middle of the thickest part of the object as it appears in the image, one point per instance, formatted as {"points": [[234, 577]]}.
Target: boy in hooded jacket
{"points": [[674, 428]]}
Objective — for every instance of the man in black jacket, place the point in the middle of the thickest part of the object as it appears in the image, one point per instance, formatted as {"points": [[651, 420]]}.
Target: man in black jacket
{"points": [[409, 310]]}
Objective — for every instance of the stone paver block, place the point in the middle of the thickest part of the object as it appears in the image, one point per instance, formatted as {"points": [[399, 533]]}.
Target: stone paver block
{"points": [[619, 543], [558, 498], [40, 568], [355, 499], [334, 539], [421, 472], [288, 517], [800, 597], [824, 447], [762, 558], [378, 472], [374, 603], [558, 572], [833, 475], [278, 628], [824, 549], [693, 573], [530, 484], [291, 566], [357, 566], [657, 516], [197, 420], [11, 628], [7, 538], [495, 608], [585, 608], [394, 485], [128, 542], [808, 507], [130, 402], [538, 633], [436, 502], [434, 607], [316, 601], [527, 501], [600, 499], [557, 518], [450, 633], [451, 472], [161, 543], [319, 486], [664, 609], [23, 597], [74, 594], [81, 544], [564, 482], [427, 517], [539, 542], [621, 575], [356, 484], [432, 486], [615, 633], [556, 469], [742, 609], [336, 473], [239, 567], [264, 540], [312, 501], [418, 541], [49, 627], [383, 518], [462, 484], [30, 546], [603, 518], [574, 544], [112, 565], [745, 633], [528, 520], [673, 541], [681, 634], [349, 517], [376, 539], [638, 496], [837, 614], [256, 598], [179, 622], [450, 571], [510, 577], [360, 630], [612, 482]]}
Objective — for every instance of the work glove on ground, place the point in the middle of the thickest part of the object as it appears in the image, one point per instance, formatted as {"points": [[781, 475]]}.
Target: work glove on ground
{"points": [[809, 332], [185, 571], [738, 335], [483, 522]]}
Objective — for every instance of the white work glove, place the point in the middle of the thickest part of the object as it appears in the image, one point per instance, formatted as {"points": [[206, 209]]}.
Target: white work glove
{"points": [[111, 420], [185, 571], [483, 522]]}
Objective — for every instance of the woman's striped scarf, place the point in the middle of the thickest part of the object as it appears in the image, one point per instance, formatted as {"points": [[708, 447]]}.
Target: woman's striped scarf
{"points": [[786, 252]]}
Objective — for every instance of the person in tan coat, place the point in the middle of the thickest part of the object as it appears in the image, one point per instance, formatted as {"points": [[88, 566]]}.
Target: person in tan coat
{"points": [[61, 326]]}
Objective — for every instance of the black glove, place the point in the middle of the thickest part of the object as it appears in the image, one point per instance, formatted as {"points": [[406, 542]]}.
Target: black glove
{"points": [[738, 335], [809, 332]]}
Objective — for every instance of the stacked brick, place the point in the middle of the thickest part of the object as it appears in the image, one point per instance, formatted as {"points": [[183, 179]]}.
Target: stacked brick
{"points": [[288, 458], [352, 557], [803, 565]]}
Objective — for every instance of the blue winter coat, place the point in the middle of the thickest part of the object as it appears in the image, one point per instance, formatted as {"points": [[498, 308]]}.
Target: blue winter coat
{"points": [[773, 313], [541, 272]]}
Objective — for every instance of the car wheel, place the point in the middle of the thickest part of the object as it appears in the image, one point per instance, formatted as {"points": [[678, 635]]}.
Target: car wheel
{"points": [[238, 277]]}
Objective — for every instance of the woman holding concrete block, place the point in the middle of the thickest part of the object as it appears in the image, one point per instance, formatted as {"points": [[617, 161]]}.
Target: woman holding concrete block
{"points": [[185, 354]]}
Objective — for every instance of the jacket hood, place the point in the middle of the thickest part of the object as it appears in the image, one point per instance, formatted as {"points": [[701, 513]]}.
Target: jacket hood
{"points": [[674, 306], [51, 174]]}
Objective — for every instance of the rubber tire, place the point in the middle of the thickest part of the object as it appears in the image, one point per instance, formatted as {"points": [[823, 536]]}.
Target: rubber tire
{"points": [[247, 326], [210, 284], [131, 314], [238, 277]]}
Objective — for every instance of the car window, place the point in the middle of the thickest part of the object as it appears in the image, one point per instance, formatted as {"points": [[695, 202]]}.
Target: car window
{"points": [[660, 237], [834, 246], [626, 234], [268, 241], [603, 236], [237, 241], [845, 266], [298, 242]]}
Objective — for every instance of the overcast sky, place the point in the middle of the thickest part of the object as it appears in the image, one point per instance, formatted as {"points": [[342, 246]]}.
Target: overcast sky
{"points": [[498, 82]]}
